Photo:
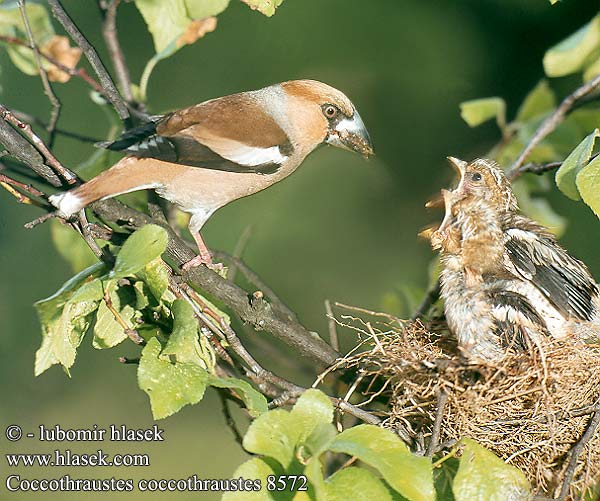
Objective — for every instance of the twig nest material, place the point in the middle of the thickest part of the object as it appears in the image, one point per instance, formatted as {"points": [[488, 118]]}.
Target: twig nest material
{"points": [[530, 409]]}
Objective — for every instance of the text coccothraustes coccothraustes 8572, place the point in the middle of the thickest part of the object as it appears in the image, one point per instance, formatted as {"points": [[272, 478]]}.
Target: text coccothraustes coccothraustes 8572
{"points": [[205, 156]]}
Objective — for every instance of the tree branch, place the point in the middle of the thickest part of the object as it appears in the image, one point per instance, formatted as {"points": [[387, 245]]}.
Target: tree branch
{"points": [[576, 452], [24, 151], [553, 121], [26, 117], [262, 315], [65, 173], [111, 92], [109, 31], [48, 90], [431, 296]]}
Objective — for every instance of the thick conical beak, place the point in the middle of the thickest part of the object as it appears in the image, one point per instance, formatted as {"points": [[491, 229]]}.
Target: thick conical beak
{"points": [[351, 134]]}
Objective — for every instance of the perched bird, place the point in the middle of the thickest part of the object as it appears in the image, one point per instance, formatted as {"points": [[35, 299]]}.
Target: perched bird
{"points": [[205, 156], [505, 278]]}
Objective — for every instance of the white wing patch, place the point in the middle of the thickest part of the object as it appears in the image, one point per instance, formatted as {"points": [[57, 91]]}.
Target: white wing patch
{"points": [[250, 156]]}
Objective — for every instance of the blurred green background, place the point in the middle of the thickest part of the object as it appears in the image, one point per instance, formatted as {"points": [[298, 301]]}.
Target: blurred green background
{"points": [[340, 228]]}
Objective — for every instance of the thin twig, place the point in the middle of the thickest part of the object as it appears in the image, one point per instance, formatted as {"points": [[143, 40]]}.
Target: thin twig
{"points": [[361, 414], [11, 186], [553, 121], [333, 334], [25, 187], [576, 451], [238, 251], [229, 418], [129, 361], [74, 72], [26, 117], [110, 91], [53, 162], [84, 230], [540, 169], [109, 31], [131, 333], [432, 447], [431, 296], [368, 312], [39, 220], [48, 90], [257, 282]]}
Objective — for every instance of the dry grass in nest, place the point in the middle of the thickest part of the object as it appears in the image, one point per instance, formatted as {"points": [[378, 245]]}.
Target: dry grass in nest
{"points": [[531, 410]]}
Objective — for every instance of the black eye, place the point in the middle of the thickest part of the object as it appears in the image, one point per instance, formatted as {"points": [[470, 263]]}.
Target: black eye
{"points": [[476, 176], [330, 111]]}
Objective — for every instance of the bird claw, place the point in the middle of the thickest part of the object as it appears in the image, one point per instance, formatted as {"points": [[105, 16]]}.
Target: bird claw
{"points": [[218, 268], [197, 261]]}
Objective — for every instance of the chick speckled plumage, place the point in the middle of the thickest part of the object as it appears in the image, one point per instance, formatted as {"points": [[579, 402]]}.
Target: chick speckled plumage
{"points": [[506, 282]]}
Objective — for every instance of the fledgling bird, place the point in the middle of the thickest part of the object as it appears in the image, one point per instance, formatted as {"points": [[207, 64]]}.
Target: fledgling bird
{"points": [[205, 156], [525, 282], [487, 317]]}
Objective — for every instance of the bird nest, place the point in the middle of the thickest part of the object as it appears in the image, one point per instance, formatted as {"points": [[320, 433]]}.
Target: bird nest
{"points": [[533, 410]]}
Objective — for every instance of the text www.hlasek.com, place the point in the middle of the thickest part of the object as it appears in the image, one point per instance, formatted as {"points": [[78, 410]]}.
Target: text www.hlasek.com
{"points": [[67, 458]]}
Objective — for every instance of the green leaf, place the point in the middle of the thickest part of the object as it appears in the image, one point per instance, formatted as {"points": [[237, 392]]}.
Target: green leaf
{"points": [[11, 25], [272, 435], [255, 469], [592, 70], [572, 54], [141, 248], [482, 476], [170, 386], [278, 433], [173, 24], [478, 111], [443, 478], [312, 409], [71, 246], [266, 7], [409, 475], [142, 295], [183, 342], [65, 318], [356, 484], [255, 402], [108, 332], [554, 1], [167, 20], [540, 101], [567, 174], [588, 184], [156, 276]]}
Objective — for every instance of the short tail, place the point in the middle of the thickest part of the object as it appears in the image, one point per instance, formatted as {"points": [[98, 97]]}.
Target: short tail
{"points": [[67, 203]]}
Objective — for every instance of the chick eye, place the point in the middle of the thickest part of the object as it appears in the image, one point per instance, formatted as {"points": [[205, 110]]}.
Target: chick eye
{"points": [[330, 111], [476, 176]]}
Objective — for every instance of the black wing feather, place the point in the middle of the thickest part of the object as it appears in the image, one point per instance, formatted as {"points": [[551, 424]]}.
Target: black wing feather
{"points": [[510, 333], [561, 278], [144, 142]]}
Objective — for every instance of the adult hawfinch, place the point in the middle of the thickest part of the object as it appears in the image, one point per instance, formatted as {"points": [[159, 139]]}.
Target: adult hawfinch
{"points": [[205, 156]]}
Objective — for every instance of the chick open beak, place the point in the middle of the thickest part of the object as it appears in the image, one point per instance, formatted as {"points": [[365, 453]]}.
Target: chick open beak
{"points": [[458, 165], [351, 134]]}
